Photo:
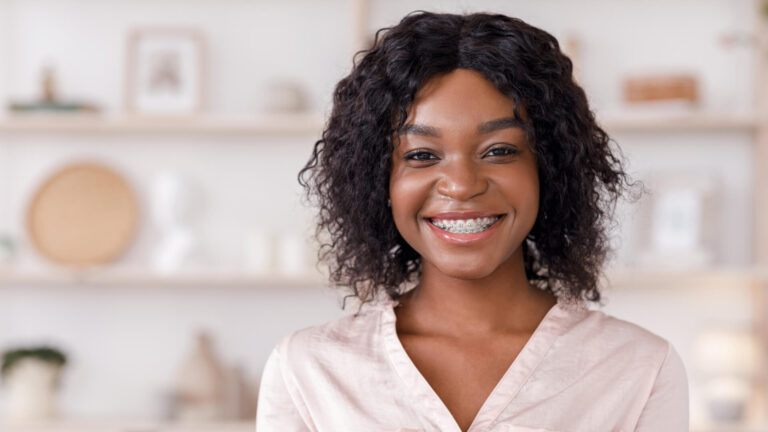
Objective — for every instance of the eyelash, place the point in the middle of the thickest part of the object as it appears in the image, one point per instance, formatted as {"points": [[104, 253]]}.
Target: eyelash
{"points": [[412, 156]]}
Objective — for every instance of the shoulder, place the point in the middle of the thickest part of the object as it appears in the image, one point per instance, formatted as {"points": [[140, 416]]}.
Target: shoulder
{"points": [[640, 344], [610, 344], [610, 356], [348, 335], [599, 329]]}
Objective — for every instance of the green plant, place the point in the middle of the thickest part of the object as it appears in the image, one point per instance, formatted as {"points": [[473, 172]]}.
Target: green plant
{"points": [[45, 353]]}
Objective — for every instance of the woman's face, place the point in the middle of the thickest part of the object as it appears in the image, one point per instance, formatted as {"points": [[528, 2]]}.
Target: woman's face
{"points": [[461, 162]]}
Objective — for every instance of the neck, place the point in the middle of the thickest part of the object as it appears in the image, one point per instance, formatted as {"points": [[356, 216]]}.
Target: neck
{"points": [[500, 303]]}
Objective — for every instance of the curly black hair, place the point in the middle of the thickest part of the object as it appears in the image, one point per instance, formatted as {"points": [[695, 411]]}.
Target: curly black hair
{"points": [[347, 176]]}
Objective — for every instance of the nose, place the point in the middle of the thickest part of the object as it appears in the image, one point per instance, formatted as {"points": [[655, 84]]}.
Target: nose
{"points": [[461, 179]]}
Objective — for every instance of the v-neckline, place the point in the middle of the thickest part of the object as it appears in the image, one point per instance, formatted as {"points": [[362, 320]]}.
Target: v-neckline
{"points": [[529, 357]]}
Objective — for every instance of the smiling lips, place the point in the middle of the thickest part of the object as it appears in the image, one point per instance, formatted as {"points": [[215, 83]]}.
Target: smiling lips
{"points": [[463, 228]]}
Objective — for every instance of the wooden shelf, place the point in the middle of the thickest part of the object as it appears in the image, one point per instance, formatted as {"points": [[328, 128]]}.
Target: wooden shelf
{"points": [[277, 124], [142, 277], [312, 124], [241, 426], [231, 427], [730, 428], [694, 122], [115, 426], [139, 277], [620, 278]]}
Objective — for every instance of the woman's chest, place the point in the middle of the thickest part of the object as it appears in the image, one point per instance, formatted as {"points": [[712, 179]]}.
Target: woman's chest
{"points": [[463, 374]]}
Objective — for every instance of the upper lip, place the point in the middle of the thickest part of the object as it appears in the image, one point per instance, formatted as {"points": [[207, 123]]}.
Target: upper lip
{"points": [[462, 215]]}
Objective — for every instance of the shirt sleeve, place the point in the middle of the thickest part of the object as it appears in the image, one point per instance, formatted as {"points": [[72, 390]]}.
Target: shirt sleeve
{"points": [[276, 409], [667, 407]]}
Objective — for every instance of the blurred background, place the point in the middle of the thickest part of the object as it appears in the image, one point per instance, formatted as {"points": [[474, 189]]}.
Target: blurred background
{"points": [[153, 242]]}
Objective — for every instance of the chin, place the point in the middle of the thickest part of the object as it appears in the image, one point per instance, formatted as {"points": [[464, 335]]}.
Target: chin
{"points": [[464, 271]]}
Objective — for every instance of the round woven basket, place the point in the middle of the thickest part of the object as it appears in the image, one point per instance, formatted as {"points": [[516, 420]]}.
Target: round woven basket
{"points": [[83, 215]]}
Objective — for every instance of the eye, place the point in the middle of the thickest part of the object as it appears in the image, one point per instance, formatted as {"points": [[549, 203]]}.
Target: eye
{"points": [[503, 151], [420, 155]]}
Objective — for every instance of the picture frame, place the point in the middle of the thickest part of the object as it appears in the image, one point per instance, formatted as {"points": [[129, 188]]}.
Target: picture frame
{"points": [[678, 226], [165, 71]]}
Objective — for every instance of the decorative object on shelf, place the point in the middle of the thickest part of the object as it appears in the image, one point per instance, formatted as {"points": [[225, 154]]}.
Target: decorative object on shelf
{"points": [[573, 48], [738, 49], [201, 388], [285, 96], [7, 248], [165, 71], [728, 361], [661, 87], [241, 397], [678, 227], [85, 214], [50, 102], [657, 94], [292, 254], [175, 205], [31, 377], [258, 252], [49, 85]]}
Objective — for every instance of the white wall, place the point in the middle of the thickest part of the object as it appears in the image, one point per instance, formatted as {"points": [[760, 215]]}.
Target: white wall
{"points": [[126, 343], [5, 65], [249, 43], [250, 182], [628, 37]]}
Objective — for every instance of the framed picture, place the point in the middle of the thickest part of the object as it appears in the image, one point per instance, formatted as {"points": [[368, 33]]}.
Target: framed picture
{"points": [[165, 71], [678, 227]]}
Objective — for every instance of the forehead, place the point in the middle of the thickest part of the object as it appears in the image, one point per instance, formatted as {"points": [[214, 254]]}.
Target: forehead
{"points": [[461, 97]]}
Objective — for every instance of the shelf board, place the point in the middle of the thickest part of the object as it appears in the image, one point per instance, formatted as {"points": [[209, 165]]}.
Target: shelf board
{"points": [[616, 278], [111, 426], [621, 278], [238, 426], [139, 277], [275, 124], [678, 122], [730, 428], [312, 124], [68, 426]]}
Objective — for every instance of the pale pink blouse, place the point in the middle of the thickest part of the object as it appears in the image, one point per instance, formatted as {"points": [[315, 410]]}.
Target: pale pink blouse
{"points": [[580, 371]]}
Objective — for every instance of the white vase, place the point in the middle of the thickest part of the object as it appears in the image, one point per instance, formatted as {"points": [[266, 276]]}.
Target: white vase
{"points": [[176, 206], [31, 386]]}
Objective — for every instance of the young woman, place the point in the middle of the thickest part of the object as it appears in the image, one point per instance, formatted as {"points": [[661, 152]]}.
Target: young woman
{"points": [[464, 190]]}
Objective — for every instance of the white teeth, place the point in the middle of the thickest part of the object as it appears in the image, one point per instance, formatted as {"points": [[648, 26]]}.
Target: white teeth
{"points": [[465, 226]]}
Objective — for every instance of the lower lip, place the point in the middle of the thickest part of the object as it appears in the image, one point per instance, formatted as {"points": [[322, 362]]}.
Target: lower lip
{"points": [[463, 239]]}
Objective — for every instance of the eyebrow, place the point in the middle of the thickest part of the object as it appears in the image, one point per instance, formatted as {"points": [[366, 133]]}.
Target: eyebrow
{"points": [[482, 128]]}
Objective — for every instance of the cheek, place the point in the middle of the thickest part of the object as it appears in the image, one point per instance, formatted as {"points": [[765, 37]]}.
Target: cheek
{"points": [[408, 193], [522, 190]]}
